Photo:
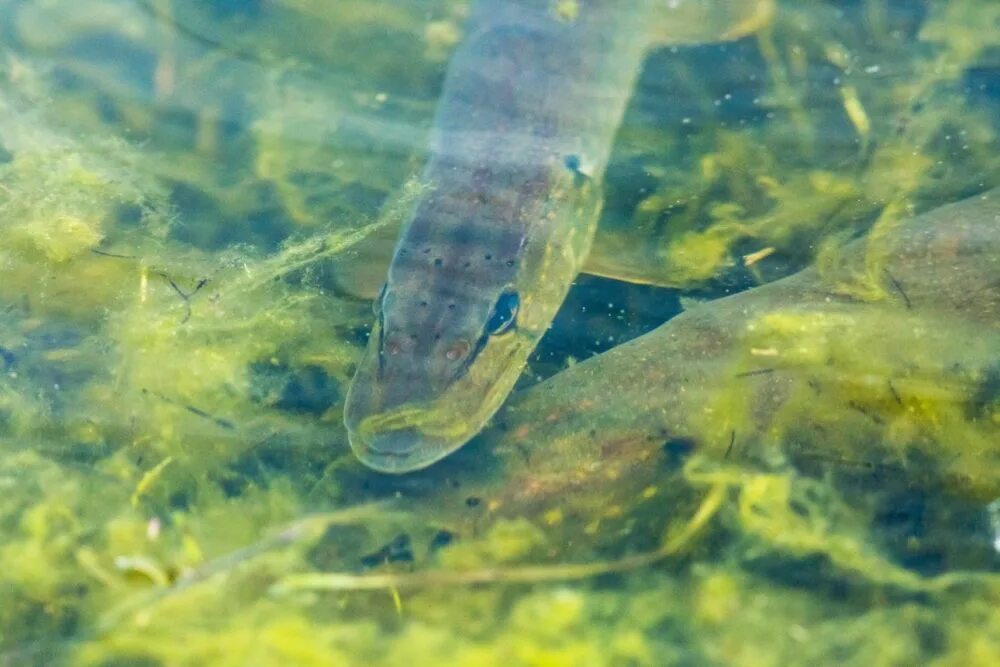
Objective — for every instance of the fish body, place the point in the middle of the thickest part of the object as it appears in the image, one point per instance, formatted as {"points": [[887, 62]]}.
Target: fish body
{"points": [[511, 197]]}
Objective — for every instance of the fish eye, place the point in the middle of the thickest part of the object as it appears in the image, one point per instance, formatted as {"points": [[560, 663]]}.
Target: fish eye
{"points": [[504, 313], [377, 303], [380, 327]]}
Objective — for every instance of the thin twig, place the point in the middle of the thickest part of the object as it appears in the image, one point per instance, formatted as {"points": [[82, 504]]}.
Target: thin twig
{"points": [[523, 574]]}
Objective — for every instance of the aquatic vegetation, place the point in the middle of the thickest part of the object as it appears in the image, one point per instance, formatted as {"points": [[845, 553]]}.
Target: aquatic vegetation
{"points": [[180, 183], [834, 94]]}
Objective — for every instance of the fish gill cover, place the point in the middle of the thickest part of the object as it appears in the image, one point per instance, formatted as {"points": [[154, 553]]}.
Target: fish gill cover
{"points": [[179, 183]]}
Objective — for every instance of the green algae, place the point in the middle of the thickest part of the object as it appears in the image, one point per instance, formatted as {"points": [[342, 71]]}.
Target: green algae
{"points": [[838, 151], [175, 352]]}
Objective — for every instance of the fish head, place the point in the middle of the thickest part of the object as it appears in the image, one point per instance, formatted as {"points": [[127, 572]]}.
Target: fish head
{"points": [[463, 307], [438, 365]]}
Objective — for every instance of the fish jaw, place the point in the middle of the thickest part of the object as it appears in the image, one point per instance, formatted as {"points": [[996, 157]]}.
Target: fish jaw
{"points": [[399, 437]]}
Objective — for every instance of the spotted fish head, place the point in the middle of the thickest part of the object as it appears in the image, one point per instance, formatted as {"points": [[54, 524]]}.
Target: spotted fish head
{"points": [[436, 369], [455, 325]]}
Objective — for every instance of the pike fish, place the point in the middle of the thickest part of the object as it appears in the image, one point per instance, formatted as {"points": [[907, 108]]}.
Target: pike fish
{"points": [[511, 196]]}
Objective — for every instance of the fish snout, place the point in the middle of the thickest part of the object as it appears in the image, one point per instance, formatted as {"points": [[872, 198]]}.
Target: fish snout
{"points": [[397, 451], [402, 410]]}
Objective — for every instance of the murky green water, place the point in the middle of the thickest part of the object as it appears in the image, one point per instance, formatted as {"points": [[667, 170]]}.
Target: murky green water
{"points": [[807, 474]]}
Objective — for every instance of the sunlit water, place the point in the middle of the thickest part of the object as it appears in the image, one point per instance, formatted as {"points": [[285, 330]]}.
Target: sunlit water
{"points": [[185, 189]]}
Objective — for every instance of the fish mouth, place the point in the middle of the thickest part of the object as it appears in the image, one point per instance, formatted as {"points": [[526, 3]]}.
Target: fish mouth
{"points": [[401, 439], [399, 451], [398, 436]]}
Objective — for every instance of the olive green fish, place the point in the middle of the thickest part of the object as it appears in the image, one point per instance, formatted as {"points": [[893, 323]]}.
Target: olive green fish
{"points": [[511, 197]]}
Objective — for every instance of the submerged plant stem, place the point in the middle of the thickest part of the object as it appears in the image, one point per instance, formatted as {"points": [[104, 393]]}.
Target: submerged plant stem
{"points": [[525, 574]]}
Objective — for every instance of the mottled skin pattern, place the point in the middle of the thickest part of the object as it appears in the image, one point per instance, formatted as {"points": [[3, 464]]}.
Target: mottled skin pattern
{"points": [[523, 132]]}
